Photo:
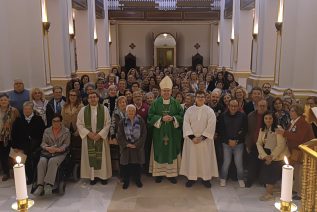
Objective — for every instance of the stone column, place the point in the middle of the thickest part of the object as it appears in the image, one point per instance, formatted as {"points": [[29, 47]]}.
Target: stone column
{"points": [[103, 41], [298, 66], [264, 44], [225, 32], [61, 47], [22, 47], [85, 42]]}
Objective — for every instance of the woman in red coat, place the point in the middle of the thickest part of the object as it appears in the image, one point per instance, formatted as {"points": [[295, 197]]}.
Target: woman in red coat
{"points": [[298, 133]]}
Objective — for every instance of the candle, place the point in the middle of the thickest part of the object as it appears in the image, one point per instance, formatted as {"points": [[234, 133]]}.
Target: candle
{"points": [[20, 180], [287, 182]]}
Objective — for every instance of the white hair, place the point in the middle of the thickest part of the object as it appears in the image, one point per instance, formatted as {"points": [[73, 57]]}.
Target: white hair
{"points": [[130, 106]]}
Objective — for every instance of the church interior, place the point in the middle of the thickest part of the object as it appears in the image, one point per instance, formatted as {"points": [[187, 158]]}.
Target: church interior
{"points": [[45, 44]]}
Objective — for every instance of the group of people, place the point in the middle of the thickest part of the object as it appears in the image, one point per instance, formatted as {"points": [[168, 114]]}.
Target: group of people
{"points": [[166, 122]]}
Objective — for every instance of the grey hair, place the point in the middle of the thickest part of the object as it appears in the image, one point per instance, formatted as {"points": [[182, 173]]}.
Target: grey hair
{"points": [[28, 103]]}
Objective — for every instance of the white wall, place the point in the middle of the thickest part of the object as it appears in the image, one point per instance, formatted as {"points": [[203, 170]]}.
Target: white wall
{"points": [[21, 44], [141, 34]]}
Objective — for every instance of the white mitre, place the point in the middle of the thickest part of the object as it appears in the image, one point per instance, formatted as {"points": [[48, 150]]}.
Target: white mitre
{"points": [[166, 83]]}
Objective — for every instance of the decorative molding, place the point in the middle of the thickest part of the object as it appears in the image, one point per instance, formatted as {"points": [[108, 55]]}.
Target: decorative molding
{"points": [[297, 92]]}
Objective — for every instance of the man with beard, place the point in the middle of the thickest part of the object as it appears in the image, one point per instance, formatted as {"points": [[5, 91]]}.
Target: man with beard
{"points": [[215, 103], [266, 89]]}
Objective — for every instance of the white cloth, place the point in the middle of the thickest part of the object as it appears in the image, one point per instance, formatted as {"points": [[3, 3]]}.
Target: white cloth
{"points": [[85, 170], [159, 122], [199, 160]]}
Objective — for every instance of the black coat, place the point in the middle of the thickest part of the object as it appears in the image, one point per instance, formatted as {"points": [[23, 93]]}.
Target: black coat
{"points": [[248, 107], [27, 136], [50, 111]]}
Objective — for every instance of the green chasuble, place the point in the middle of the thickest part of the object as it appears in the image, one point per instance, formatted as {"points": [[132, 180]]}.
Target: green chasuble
{"points": [[95, 147], [167, 138]]}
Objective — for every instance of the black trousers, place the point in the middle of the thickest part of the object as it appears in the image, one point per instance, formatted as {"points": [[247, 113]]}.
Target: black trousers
{"points": [[253, 165], [131, 170], [4, 157]]}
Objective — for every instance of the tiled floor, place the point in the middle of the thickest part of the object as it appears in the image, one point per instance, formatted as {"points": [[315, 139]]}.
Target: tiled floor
{"points": [[164, 197]]}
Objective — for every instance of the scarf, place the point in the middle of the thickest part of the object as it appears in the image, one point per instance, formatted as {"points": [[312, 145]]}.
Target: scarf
{"points": [[7, 120], [94, 147], [132, 131]]}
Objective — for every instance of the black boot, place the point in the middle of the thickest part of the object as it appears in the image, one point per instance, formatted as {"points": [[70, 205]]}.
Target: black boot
{"points": [[190, 183], [158, 179], [173, 180]]}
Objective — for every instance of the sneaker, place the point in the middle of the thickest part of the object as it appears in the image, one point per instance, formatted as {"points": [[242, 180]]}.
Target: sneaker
{"points": [[222, 182], [189, 183], [241, 183], [266, 197], [39, 191], [207, 183], [48, 189]]}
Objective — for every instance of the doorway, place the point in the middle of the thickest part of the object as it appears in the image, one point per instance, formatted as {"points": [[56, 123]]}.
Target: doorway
{"points": [[164, 50], [165, 57]]}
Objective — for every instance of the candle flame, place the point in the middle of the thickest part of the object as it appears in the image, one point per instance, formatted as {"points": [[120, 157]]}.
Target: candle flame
{"points": [[286, 160], [18, 159]]}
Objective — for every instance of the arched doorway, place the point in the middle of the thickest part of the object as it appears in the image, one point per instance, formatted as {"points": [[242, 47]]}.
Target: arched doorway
{"points": [[164, 50]]}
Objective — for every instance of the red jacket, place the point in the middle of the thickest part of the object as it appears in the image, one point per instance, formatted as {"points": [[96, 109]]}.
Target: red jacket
{"points": [[300, 133]]}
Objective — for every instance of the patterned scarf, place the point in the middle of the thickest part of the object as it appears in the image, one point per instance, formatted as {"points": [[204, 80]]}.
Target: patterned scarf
{"points": [[94, 147], [132, 130], [5, 134]]}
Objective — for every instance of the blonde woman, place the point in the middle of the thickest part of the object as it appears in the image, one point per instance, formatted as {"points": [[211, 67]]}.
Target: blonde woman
{"points": [[39, 102]]}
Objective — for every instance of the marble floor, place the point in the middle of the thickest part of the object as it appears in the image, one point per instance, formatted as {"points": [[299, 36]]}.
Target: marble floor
{"points": [[164, 197]]}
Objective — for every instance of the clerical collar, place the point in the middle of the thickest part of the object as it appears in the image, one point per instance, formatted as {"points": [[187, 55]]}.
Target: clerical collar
{"points": [[93, 107], [166, 102]]}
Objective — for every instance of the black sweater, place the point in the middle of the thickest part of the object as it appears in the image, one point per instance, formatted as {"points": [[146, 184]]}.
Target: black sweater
{"points": [[232, 127], [27, 136]]}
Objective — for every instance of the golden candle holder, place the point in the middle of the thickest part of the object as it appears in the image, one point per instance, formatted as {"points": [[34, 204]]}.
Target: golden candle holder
{"points": [[254, 35], [22, 205], [284, 206], [96, 40]]}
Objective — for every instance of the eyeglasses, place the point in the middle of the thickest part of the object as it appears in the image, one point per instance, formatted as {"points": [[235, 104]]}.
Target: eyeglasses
{"points": [[72, 95], [200, 97]]}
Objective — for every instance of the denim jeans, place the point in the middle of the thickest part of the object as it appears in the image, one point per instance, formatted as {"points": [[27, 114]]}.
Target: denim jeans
{"points": [[237, 151]]}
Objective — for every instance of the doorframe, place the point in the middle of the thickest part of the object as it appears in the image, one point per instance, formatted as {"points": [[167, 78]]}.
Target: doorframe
{"points": [[164, 47]]}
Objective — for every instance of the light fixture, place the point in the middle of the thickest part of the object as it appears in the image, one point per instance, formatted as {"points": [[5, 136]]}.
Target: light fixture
{"points": [[279, 23], [218, 37], [165, 35], [110, 41], [70, 15], [255, 30], [46, 25]]}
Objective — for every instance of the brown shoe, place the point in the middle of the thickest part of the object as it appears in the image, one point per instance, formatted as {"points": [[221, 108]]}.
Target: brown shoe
{"points": [[5, 178]]}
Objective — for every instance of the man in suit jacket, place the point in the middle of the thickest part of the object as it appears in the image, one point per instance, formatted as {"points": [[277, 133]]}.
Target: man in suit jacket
{"points": [[256, 95], [255, 120], [55, 105]]}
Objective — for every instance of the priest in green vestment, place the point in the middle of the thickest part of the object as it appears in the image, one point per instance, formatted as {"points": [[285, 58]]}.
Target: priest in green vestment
{"points": [[166, 117]]}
